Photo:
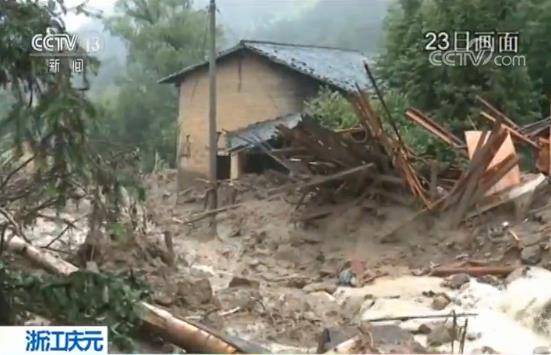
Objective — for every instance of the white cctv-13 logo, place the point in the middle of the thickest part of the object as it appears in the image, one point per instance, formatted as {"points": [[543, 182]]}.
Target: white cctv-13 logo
{"points": [[55, 42]]}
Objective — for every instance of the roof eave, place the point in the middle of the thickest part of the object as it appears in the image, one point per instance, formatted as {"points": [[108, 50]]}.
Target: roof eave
{"points": [[177, 76]]}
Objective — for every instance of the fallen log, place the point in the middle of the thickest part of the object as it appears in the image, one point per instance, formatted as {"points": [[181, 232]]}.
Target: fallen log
{"points": [[191, 336], [473, 270]]}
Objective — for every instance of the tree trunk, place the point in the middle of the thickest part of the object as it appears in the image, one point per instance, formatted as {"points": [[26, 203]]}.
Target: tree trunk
{"points": [[192, 337]]}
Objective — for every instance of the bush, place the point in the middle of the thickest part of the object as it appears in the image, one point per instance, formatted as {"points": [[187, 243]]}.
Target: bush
{"points": [[331, 109]]}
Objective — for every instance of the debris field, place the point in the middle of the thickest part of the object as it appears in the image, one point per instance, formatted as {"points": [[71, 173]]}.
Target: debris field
{"points": [[361, 244]]}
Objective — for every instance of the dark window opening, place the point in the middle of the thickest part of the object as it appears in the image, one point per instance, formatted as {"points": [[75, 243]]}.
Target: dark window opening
{"points": [[258, 162]]}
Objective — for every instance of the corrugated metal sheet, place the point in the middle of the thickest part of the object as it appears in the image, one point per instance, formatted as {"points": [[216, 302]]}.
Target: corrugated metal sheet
{"points": [[338, 67], [247, 137]]}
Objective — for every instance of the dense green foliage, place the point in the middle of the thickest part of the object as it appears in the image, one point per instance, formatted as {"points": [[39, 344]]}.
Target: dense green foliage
{"points": [[162, 37], [82, 298], [47, 111], [331, 109], [47, 115], [536, 32], [49, 120], [448, 92]]}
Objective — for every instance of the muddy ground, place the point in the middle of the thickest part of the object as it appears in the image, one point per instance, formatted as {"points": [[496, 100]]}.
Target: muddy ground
{"points": [[268, 278]]}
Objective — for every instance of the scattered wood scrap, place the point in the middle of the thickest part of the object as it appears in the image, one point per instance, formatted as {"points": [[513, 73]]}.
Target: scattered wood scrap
{"points": [[372, 161], [339, 164], [477, 179]]}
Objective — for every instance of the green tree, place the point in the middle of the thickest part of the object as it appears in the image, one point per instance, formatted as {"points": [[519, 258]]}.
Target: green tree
{"points": [[331, 109], [46, 112], [535, 16], [162, 36], [45, 157], [448, 92]]}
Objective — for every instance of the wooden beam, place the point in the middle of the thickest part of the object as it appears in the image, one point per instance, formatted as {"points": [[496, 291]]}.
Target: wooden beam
{"points": [[320, 180], [433, 127], [514, 132], [509, 122]]}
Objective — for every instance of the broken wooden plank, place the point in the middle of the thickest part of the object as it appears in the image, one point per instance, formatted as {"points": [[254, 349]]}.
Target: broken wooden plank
{"points": [[437, 130], [393, 147], [514, 132], [507, 148], [496, 174], [466, 185], [509, 122], [320, 180]]}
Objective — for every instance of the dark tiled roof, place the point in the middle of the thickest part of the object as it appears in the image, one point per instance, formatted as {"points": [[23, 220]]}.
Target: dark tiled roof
{"points": [[259, 132], [340, 68]]}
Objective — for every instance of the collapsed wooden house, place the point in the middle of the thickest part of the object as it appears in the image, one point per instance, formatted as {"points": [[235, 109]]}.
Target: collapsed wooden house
{"points": [[371, 161]]}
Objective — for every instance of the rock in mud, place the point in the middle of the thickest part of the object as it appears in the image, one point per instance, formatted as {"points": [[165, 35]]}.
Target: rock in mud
{"points": [[484, 350], [253, 262], [542, 350], [531, 255], [288, 253], [425, 328], [391, 339], [228, 231], [333, 336], [518, 273], [440, 301], [439, 335], [457, 280], [490, 280], [291, 304], [194, 291], [351, 306], [296, 282], [237, 281], [323, 304], [325, 286], [473, 335], [163, 298], [243, 298]]}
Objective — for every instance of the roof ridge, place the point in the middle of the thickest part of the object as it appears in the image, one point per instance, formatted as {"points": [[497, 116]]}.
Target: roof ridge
{"points": [[245, 41]]}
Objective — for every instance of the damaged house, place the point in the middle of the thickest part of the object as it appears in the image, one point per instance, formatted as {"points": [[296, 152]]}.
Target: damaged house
{"points": [[259, 86]]}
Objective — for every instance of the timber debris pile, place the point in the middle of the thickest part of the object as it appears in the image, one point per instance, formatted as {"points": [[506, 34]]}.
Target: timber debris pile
{"points": [[373, 161]]}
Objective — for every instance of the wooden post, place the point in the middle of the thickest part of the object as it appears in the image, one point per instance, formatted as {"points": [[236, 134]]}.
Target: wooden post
{"points": [[434, 180], [213, 141]]}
